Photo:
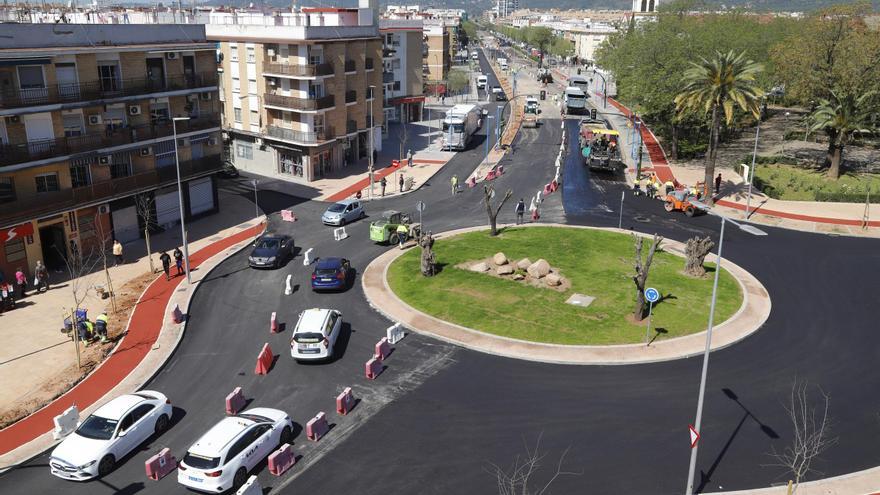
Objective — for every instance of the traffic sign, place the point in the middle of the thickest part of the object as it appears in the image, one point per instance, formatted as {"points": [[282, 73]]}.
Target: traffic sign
{"points": [[420, 206], [652, 295], [695, 436]]}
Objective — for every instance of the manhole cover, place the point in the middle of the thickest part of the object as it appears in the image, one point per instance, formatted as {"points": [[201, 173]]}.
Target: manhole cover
{"points": [[580, 300], [642, 219]]}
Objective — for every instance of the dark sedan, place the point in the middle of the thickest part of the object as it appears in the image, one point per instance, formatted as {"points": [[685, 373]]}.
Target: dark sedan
{"points": [[331, 274], [271, 251]]}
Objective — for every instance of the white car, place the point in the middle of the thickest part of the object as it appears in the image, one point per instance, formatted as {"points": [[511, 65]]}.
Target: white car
{"points": [[315, 334], [109, 434], [222, 458]]}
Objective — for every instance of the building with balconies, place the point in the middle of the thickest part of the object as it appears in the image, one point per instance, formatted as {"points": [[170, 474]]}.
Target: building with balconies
{"points": [[402, 76], [298, 87], [86, 125], [437, 50]]}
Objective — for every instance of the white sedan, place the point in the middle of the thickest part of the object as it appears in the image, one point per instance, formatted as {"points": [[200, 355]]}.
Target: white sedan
{"points": [[109, 434]]}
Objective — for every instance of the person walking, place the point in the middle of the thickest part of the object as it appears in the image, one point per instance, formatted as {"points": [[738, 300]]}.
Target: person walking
{"points": [[718, 184], [383, 183], [166, 264], [409, 158], [21, 281], [533, 208], [117, 251], [402, 233], [454, 184], [42, 276], [178, 260], [520, 211], [401, 182]]}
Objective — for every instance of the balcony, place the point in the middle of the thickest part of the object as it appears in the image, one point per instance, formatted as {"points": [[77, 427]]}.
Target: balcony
{"points": [[11, 154], [351, 96], [99, 90], [307, 70], [368, 63], [299, 104], [38, 204], [299, 136], [350, 66]]}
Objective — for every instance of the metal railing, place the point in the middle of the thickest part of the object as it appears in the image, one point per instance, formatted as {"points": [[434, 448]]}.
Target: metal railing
{"points": [[351, 96], [350, 66], [37, 204], [12, 154], [306, 70], [97, 90], [299, 103], [299, 136]]}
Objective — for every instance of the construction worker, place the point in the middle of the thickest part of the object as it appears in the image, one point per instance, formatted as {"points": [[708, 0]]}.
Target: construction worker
{"points": [[101, 326], [454, 184], [402, 233], [86, 331], [670, 186]]}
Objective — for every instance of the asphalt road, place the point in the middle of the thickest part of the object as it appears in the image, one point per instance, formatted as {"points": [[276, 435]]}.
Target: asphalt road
{"points": [[439, 415]]}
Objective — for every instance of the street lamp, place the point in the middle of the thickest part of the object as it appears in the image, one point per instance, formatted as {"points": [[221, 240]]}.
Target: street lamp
{"points": [[745, 228], [604, 88], [372, 144], [751, 172], [180, 199]]}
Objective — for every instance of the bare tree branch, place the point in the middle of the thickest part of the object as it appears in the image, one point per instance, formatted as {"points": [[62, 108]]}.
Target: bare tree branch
{"points": [[518, 478]]}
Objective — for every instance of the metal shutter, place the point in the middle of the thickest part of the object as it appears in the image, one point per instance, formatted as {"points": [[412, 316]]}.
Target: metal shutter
{"points": [[167, 209], [201, 196], [125, 224]]}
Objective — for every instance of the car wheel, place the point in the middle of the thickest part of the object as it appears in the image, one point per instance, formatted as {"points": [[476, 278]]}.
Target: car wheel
{"points": [[286, 436], [239, 479], [392, 239], [363, 214], [342, 222], [161, 424], [689, 211], [668, 206], [106, 465]]}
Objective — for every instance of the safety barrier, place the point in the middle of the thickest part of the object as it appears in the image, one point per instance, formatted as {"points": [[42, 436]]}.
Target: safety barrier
{"points": [[307, 258], [345, 401], [160, 465], [317, 427], [281, 460], [340, 234], [273, 323], [250, 487], [383, 349], [177, 314], [373, 368], [235, 401], [288, 216], [394, 334], [264, 360], [65, 422], [288, 290]]}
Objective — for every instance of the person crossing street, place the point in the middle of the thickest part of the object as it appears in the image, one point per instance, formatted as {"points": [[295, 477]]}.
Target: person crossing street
{"points": [[454, 184]]}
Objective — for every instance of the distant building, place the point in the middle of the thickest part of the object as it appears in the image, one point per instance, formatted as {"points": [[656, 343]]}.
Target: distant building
{"points": [[437, 51], [645, 6], [402, 75], [504, 8]]}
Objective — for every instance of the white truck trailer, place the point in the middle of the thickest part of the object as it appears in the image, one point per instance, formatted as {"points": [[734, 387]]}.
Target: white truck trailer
{"points": [[460, 125]]}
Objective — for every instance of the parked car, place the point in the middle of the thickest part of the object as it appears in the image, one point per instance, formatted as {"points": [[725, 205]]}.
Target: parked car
{"points": [[222, 458], [343, 212], [331, 274], [271, 251], [315, 335], [109, 434]]}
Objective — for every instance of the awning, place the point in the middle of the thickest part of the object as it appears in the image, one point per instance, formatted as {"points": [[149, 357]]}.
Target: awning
{"points": [[406, 99], [25, 61], [17, 232]]}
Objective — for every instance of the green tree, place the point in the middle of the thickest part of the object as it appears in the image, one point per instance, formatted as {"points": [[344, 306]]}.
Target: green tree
{"points": [[842, 117], [714, 87], [541, 37], [562, 47], [457, 80]]}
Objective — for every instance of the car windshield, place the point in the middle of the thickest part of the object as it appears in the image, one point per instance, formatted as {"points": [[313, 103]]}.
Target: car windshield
{"points": [[267, 244], [325, 272], [336, 208], [308, 337], [97, 428], [455, 127], [201, 462]]}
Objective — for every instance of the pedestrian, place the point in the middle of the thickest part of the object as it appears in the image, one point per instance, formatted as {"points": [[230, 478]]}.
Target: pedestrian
{"points": [[401, 182], [718, 184], [383, 183], [178, 260], [402, 233], [520, 211], [454, 184], [533, 208], [117, 251], [101, 326], [409, 158], [41, 275], [670, 186], [21, 281], [86, 331], [166, 264]]}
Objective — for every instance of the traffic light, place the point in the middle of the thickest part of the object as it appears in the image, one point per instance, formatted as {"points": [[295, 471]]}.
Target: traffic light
{"points": [[593, 114]]}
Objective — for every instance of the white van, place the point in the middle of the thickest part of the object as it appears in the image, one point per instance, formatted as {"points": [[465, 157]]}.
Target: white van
{"points": [[575, 100], [482, 81], [580, 82], [475, 56]]}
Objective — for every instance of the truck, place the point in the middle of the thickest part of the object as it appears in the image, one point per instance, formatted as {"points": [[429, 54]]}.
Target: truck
{"points": [[384, 230], [531, 112], [502, 62], [482, 81], [460, 125], [575, 100], [599, 145]]}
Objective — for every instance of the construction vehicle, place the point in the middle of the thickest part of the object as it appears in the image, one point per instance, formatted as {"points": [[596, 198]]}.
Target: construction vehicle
{"points": [[680, 200], [385, 229], [531, 112], [599, 145]]}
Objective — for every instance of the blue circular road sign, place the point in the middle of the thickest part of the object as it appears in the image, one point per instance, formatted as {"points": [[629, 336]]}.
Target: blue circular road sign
{"points": [[652, 295]]}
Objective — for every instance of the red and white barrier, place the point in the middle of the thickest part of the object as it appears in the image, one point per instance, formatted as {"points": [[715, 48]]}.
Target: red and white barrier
{"points": [[345, 401], [373, 368], [288, 216], [264, 360], [160, 465], [177, 314], [250, 487], [273, 323], [235, 401], [394, 334], [281, 460], [65, 422], [383, 349], [317, 427]]}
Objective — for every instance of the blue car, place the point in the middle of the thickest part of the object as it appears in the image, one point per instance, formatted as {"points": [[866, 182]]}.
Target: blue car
{"points": [[331, 274]]}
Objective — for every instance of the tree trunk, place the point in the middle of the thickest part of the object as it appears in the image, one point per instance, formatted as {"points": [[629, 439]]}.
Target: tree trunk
{"points": [[428, 260], [641, 276], [149, 250], [673, 154], [832, 145], [492, 213], [695, 251], [836, 158], [710, 155]]}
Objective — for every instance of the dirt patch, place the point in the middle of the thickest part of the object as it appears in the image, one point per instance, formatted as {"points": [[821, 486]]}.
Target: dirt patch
{"points": [[90, 357]]}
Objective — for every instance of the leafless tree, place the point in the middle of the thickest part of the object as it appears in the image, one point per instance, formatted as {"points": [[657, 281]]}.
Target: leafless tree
{"points": [[103, 252], [641, 276], [144, 205], [811, 434], [492, 211], [695, 252], [519, 478], [78, 268]]}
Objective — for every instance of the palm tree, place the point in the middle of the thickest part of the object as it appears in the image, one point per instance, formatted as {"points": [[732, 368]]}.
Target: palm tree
{"points": [[715, 86], [842, 117]]}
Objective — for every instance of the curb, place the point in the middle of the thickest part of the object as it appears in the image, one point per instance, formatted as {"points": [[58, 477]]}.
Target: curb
{"points": [[753, 312]]}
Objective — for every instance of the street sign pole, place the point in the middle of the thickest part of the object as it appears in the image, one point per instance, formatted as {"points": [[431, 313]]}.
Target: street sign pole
{"points": [[420, 206], [648, 329], [652, 295]]}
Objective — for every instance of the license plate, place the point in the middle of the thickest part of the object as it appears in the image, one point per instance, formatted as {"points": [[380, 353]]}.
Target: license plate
{"points": [[197, 480], [326, 280], [309, 351]]}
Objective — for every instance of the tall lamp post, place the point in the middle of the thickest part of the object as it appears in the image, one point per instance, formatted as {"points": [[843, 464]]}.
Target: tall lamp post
{"points": [[180, 199], [604, 88], [372, 90], [697, 422]]}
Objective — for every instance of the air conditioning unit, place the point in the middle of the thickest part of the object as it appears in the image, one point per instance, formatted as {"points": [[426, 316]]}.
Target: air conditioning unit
{"points": [[104, 209], [134, 109], [212, 141], [270, 52], [191, 98], [95, 120], [171, 55], [145, 151], [206, 96], [13, 119], [105, 160]]}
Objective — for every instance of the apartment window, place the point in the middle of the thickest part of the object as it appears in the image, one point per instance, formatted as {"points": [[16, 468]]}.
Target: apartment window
{"points": [[370, 92], [316, 91], [237, 113], [7, 189], [251, 56], [15, 250], [233, 53], [73, 124], [396, 86], [287, 117], [290, 164], [120, 165], [47, 182], [236, 85], [244, 150], [108, 73], [252, 86], [319, 123], [31, 77], [79, 173], [159, 112], [255, 117], [388, 38], [395, 64], [164, 152], [114, 117]]}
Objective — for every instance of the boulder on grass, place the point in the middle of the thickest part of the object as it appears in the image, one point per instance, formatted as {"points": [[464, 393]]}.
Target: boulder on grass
{"points": [[553, 280], [519, 276], [499, 259], [523, 263], [539, 269], [480, 267], [504, 270]]}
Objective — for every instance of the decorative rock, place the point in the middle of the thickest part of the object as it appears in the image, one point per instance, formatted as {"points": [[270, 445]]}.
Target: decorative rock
{"points": [[539, 268], [504, 270], [479, 267], [499, 259], [552, 279], [523, 263], [519, 276]]}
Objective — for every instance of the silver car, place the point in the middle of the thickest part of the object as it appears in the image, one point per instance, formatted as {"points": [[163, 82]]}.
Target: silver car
{"points": [[343, 212]]}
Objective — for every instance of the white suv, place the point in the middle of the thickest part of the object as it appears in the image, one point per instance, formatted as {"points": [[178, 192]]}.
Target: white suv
{"points": [[223, 457], [315, 334]]}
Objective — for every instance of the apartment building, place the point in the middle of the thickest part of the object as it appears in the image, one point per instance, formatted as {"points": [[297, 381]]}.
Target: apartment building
{"points": [[402, 76], [299, 88], [504, 8], [437, 50], [86, 124]]}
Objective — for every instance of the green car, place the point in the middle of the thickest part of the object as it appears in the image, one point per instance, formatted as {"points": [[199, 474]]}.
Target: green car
{"points": [[385, 230]]}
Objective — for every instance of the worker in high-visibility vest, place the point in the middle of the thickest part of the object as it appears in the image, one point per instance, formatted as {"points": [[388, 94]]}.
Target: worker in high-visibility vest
{"points": [[670, 186], [402, 233], [101, 326], [86, 331]]}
